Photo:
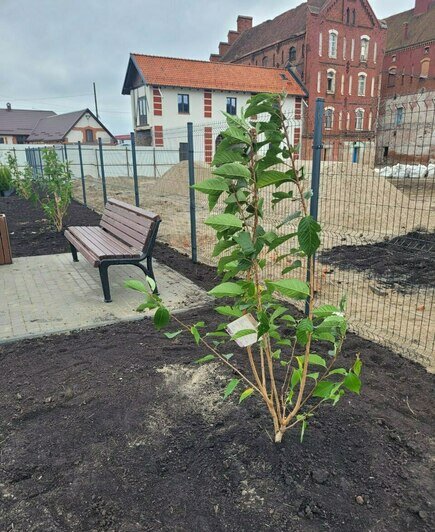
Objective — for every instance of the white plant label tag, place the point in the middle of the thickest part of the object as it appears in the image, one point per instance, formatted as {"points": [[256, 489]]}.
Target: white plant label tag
{"points": [[246, 322]]}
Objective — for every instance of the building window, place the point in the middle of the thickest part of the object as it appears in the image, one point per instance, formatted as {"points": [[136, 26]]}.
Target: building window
{"points": [[89, 135], [292, 54], [273, 60], [183, 104], [232, 106], [393, 58], [364, 48], [359, 119], [333, 37], [329, 118], [320, 44], [353, 17], [142, 111], [400, 116], [330, 86], [264, 61], [425, 63], [2, 140], [348, 16], [426, 50], [391, 77], [362, 79]]}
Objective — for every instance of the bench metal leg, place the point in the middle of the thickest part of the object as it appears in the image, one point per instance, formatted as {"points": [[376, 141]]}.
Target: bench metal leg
{"points": [[149, 272], [74, 253], [104, 276]]}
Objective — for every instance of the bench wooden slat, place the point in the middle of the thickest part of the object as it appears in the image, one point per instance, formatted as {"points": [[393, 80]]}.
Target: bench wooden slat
{"points": [[123, 233], [107, 243], [141, 212], [89, 256], [141, 221], [91, 244], [139, 232]]}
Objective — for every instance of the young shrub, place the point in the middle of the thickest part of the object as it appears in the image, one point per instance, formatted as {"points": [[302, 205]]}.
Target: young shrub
{"points": [[22, 180], [254, 170], [54, 188], [5, 179]]}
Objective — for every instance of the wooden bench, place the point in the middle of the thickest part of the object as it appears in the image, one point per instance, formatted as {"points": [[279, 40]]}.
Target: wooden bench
{"points": [[126, 235]]}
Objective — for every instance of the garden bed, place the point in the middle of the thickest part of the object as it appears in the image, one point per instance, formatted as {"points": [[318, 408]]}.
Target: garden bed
{"points": [[402, 262], [117, 429]]}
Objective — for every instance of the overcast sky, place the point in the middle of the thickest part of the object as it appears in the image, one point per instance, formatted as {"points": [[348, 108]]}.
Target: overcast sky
{"points": [[52, 50]]}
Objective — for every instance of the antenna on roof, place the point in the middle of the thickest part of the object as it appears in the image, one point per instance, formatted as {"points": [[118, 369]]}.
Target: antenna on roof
{"points": [[95, 99]]}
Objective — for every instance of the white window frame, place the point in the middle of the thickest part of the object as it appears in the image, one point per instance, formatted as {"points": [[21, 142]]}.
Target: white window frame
{"points": [[364, 58], [350, 85], [359, 114], [333, 77], [319, 81], [375, 52], [331, 125], [352, 50], [333, 44], [320, 44], [344, 48], [372, 92], [342, 84], [364, 87]]}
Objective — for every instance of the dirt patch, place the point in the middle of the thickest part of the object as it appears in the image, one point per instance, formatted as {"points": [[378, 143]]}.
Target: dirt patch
{"points": [[117, 429], [30, 231], [402, 262]]}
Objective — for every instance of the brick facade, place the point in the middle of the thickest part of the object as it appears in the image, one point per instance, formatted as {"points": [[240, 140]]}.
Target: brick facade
{"points": [[157, 102], [208, 144], [158, 136], [208, 110]]}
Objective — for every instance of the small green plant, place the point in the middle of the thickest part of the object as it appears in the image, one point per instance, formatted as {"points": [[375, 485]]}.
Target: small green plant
{"points": [[55, 187], [22, 179], [5, 178], [285, 363]]}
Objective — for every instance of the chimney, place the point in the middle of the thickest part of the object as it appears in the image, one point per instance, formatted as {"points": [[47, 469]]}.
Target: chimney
{"points": [[214, 58], [243, 23], [232, 36], [422, 6], [8, 106], [223, 48], [405, 30]]}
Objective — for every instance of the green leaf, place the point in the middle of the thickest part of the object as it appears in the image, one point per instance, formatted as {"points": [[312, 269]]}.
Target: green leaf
{"points": [[213, 198], [289, 218], [325, 310], [293, 288], [316, 360], [171, 335], [246, 394], [195, 334], [278, 241], [303, 330], [226, 156], [233, 171], [212, 185], [352, 382], [229, 311], [220, 222], [237, 134], [242, 333], [230, 387], [245, 242], [161, 317], [296, 264], [323, 389], [338, 371], [226, 290], [136, 285], [272, 177], [357, 366], [222, 245], [207, 358], [308, 237]]}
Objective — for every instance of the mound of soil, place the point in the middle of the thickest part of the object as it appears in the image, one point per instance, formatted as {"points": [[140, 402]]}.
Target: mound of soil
{"points": [[401, 262]]}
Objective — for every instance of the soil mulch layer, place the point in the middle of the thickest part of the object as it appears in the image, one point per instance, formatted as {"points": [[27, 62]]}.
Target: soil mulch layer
{"points": [[117, 429], [401, 262]]}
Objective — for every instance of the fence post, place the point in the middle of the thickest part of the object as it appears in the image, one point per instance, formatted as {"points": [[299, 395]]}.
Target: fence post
{"points": [[315, 174], [82, 173], [103, 174], [126, 158], [191, 154], [66, 153], [134, 163], [41, 166]]}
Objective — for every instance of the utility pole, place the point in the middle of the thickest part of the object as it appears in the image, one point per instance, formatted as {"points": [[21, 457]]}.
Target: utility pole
{"points": [[95, 98]]}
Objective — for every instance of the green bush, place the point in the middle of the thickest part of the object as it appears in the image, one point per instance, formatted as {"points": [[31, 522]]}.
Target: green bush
{"points": [[5, 178]]}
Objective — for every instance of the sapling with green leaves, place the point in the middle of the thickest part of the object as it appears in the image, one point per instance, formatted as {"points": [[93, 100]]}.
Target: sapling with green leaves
{"points": [[22, 179], [284, 362]]}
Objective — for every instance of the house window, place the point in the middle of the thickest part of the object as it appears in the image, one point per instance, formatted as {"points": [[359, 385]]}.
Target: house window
{"points": [[292, 54], [89, 135], [333, 37], [353, 17], [391, 77], [142, 111], [400, 116], [264, 61], [183, 104], [362, 79], [364, 48], [273, 60], [330, 81], [232, 106], [348, 16], [359, 119], [426, 50], [329, 118], [425, 63], [2, 140]]}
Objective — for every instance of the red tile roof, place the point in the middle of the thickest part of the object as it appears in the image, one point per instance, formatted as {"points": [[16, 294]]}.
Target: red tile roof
{"points": [[189, 73]]}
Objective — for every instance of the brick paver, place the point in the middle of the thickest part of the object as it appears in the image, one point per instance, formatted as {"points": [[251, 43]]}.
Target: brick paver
{"points": [[51, 294]]}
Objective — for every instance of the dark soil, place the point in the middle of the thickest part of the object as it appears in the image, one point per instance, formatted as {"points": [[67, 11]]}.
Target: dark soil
{"points": [[116, 429], [402, 262]]}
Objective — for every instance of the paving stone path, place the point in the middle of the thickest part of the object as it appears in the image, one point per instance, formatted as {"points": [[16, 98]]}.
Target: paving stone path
{"points": [[51, 294]]}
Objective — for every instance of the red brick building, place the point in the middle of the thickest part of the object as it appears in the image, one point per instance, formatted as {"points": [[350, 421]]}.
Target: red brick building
{"points": [[406, 124], [336, 48]]}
